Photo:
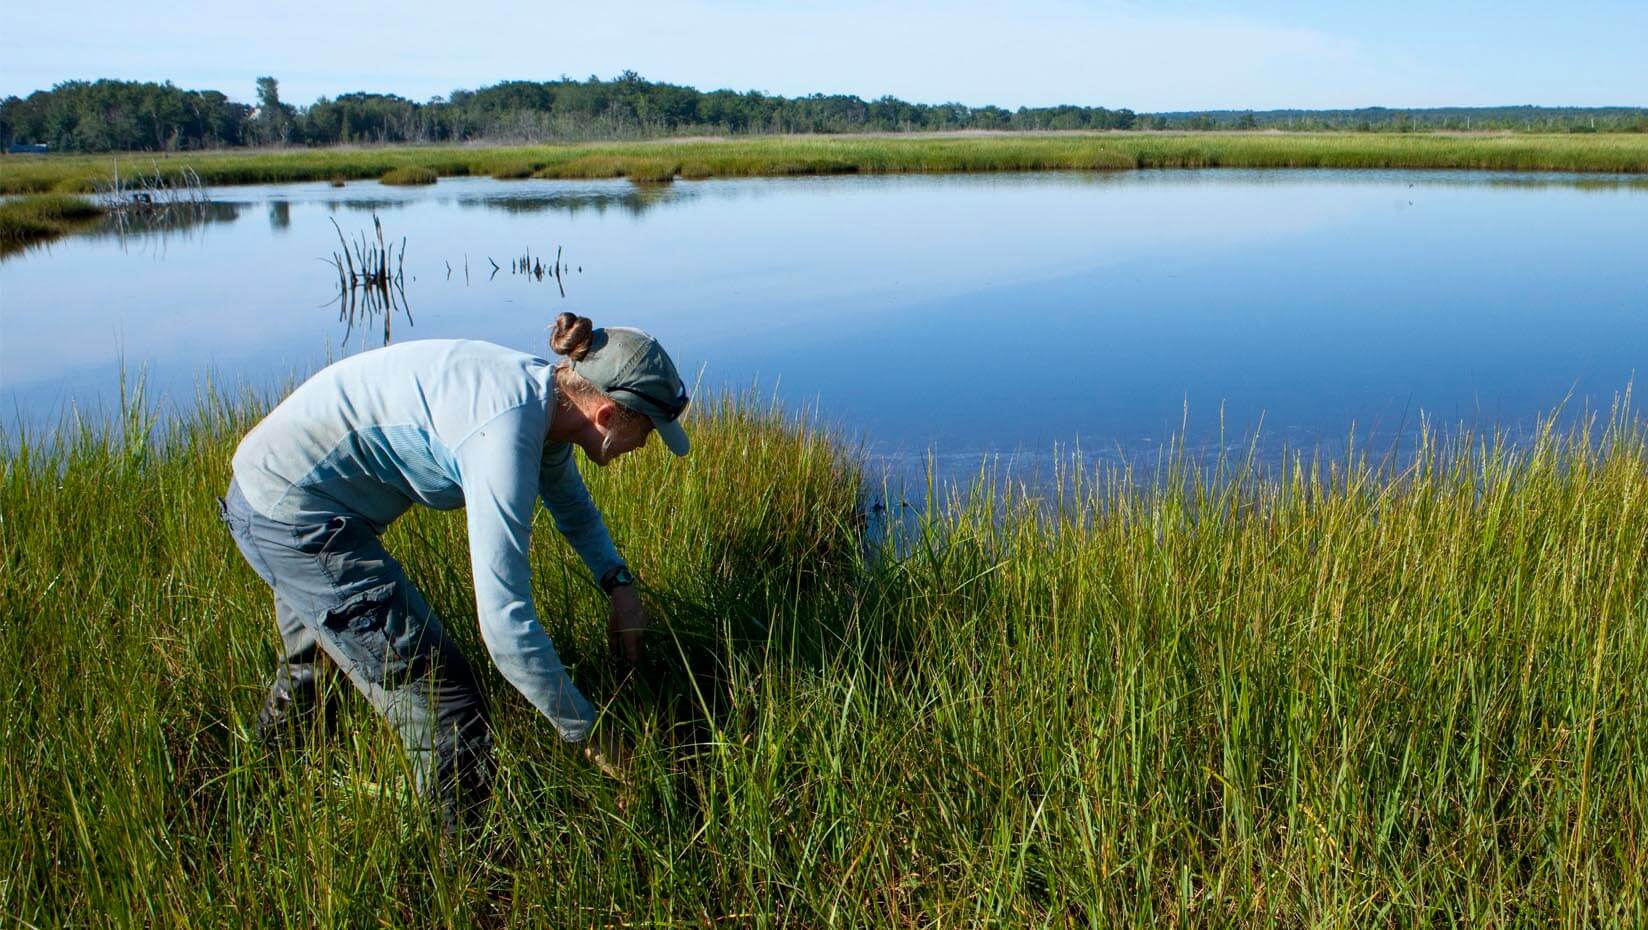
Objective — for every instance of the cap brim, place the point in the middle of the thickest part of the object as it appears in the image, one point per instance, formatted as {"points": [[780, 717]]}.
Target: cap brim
{"points": [[673, 435]]}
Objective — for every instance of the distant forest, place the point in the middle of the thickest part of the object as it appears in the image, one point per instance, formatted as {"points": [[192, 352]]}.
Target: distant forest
{"points": [[100, 116], [1384, 119]]}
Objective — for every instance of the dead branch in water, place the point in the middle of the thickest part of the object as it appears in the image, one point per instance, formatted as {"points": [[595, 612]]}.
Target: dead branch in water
{"points": [[371, 278], [535, 268], [363, 263], [150, 192], [151, 201]]}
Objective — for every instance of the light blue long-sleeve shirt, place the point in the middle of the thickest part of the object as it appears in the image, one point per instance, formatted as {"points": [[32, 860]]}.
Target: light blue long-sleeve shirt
{"points": [[447, 424]]}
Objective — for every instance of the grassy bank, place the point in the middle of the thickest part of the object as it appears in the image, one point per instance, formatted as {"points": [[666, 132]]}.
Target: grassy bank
{"points": [[787, 155], [408, 176], [1330, 698], [32, 219]]}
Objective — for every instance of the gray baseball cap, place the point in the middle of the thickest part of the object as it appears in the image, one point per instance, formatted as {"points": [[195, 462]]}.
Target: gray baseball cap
{"points": [[630, 367]]}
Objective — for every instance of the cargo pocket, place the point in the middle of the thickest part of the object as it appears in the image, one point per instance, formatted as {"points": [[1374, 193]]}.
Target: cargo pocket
{"points": [[361, 628]]}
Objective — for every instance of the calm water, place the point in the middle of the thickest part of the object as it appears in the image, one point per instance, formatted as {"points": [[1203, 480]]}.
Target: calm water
{"points": [[952, 315]]}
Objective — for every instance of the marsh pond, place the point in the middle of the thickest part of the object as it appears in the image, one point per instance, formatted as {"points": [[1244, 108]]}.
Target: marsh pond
{"points": [[929, 317]]}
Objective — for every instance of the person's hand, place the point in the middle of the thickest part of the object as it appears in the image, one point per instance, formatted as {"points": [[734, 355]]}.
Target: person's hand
{"points": [[605, 750], [624, 626]]}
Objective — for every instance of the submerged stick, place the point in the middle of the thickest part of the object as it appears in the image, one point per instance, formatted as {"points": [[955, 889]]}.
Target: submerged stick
{"points": [[345, 244]]}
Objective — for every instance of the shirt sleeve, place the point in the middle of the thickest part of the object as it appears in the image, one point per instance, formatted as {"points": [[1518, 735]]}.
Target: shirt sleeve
{"points": [[499, 464], [575, 513]]}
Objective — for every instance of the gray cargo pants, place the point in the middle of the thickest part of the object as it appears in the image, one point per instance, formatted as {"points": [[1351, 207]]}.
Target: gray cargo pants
{"points": [[340, 595]]}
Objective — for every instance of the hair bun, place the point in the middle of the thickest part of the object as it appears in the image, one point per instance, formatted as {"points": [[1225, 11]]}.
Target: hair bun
{"points": [[571, 336]]}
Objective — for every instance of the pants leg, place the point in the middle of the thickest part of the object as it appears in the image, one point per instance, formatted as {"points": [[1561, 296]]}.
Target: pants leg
{"points": [[298, 643], [394, 650], [294, 692], [338, 592], [295, 696]]}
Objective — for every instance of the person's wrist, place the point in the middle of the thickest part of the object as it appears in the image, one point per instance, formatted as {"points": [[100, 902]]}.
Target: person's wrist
{"points": [[619, 576]]}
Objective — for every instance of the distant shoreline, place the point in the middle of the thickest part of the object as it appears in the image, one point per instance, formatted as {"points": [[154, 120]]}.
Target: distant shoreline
{"points": [[663, 160]]}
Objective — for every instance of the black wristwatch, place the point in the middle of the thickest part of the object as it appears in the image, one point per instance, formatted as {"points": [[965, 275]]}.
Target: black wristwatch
{"points": [[616, 578]]}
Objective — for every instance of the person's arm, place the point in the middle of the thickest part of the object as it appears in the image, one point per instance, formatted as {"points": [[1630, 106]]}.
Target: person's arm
{"points": [[574, 511], [579, 520], [499, 464]]}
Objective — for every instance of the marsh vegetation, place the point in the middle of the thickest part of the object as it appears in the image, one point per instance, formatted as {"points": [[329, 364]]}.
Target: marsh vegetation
{"points": [[810, 155], [30, 219], [1334, 693], [407, 175]]}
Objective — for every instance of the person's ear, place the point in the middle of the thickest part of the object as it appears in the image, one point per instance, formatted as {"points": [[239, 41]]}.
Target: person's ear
{"points": [[605, 411]]}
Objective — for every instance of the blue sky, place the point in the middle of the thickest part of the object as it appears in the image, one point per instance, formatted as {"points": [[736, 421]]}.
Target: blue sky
{"points": [[1173, 55]]}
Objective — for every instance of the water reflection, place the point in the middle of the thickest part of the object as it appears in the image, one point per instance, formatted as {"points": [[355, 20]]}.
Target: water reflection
{"points": [[372, 309], [1608, 184], [182, 221], [160, 226], [364, 204], [371, 281], [636, 201]]}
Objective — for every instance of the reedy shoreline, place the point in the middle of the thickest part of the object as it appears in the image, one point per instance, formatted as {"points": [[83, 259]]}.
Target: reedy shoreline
{"points": [[39, 217], [802, 155]]}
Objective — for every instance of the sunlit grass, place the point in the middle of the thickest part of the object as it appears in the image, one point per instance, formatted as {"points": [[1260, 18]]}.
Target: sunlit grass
{"points": [[33, 218], [1330, 696], [408, 175], [788, 155]]}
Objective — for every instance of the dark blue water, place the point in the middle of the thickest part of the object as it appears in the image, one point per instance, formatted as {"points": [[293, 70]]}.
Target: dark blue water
{"points": [[947, 315]]}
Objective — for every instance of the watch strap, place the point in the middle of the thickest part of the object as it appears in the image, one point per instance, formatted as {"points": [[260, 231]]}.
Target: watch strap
{"points": [[616, 577]]}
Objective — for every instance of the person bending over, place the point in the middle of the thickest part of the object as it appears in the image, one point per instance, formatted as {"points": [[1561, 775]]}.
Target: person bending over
{"points": [[446, 424]]}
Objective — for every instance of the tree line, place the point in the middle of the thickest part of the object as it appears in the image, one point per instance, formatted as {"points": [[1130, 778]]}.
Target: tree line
{"points": [[1386, 119], [106, 115], [98, 116]]}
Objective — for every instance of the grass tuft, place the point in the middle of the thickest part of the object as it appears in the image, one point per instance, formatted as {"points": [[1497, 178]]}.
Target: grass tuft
{"points": [[35, 218], [409, 175], [514, 170]]}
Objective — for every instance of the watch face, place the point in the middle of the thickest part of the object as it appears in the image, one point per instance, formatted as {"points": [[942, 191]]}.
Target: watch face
{"points": [[622, 577]]}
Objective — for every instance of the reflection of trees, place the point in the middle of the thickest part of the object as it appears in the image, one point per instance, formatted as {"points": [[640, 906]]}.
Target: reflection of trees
{"points": [[633, 200], [1585, 184], [181, 219], [280, 215], [156, 226], [369, 205]]}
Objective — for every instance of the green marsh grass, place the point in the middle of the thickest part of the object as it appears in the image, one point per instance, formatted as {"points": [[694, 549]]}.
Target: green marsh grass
{"points": [[637, 168], [514, 171], [408, 175], [790, 155], [35, 218], [1329, 696]]}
